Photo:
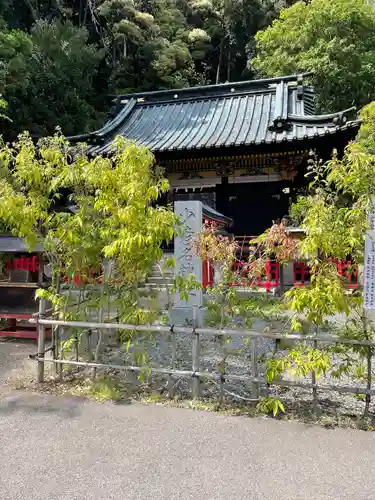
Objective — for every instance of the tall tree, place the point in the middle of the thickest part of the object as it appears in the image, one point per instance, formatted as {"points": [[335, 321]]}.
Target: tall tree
{"points": [[231, 26], [147, 44], [335, 40], [60, 59], [47, 77]]}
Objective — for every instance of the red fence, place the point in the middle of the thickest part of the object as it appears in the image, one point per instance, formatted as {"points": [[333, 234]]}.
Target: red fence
{"points": [[207, 274], [349, 273], [267, 278], [347, 270], [301, 274], [270, 277], [24, 263]]}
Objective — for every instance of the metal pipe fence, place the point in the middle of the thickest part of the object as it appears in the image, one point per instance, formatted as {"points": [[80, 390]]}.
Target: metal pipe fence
{"points": [[195, 373]]}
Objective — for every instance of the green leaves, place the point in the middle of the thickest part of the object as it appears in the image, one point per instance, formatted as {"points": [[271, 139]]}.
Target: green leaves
{"points": [[107, 244], [335, 40], [183, 285], [366, 134], [270, 405], [60, 60], [115, 215], [300, 362], [335, 217], [46, 76], [325, 296]]}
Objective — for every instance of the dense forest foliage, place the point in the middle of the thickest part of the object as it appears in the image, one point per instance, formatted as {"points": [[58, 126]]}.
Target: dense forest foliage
{"points": [[60, 60]]}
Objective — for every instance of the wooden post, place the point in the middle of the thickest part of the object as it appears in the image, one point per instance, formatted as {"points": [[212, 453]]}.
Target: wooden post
{"points": [[12, 324], [41, 342], [195, 357]]}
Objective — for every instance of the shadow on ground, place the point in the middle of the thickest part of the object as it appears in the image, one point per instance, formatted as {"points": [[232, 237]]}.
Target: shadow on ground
{"points": [[67, 407]]}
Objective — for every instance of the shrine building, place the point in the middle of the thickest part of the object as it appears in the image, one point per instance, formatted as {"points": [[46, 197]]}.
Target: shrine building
{"points": [[241, 148]]}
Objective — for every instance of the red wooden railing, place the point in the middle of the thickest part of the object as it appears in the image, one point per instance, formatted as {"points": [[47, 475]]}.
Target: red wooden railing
{"points": [[270, 277], [301, 274], [207, 274], [24, 264], [347, 270], [349, 273]]}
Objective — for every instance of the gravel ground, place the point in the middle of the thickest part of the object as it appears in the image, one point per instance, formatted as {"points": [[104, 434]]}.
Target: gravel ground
{"points": [[237, 355]]}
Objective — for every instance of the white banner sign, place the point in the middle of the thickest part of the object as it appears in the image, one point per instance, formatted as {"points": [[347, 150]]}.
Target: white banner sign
{"points": [[371, 217], [369, 271], [369, 263]]}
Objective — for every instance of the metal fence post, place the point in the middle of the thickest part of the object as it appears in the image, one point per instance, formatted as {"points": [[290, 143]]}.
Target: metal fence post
{"points": [[195, 357], [196, 372], [61, 354], [41, 342], [171, 382], [369, 368], [254, 367], [313, 379], [56, 329], [369, 379]]}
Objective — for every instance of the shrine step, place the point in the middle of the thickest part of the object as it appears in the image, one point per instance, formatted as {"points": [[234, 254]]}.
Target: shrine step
{"points": [[160, 276], [160, 280]]}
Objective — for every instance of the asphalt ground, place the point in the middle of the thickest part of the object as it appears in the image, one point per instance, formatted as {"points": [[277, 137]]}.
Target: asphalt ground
{"points": [[75, 449], [65, 448]]}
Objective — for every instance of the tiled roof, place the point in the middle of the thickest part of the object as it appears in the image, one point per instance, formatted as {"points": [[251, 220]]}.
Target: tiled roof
{"points": [[15, 244], [234, 114]]}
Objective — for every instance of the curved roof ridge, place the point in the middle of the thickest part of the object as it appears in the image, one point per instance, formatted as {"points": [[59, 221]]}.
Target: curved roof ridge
{"points": [[108, 128], [213, 89], [218, 116], [338, 117]]}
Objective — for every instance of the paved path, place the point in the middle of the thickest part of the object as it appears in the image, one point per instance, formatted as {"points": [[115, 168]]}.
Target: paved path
{"points": [[71, 449], [14, 363]]}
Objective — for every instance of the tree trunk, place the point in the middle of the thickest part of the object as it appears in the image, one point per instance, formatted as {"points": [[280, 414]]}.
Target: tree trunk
{"points": [[220, 61], [229, 61], [85, 13], [34, 10]]}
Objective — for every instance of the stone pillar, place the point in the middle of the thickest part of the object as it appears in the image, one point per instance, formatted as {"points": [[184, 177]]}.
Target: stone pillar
{"points": [[190, 214]]}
